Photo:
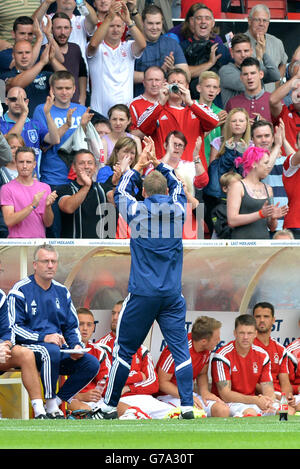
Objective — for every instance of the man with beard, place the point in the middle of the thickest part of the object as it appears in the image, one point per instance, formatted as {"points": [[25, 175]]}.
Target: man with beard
{"points": [[263, 313], [71, 54]]}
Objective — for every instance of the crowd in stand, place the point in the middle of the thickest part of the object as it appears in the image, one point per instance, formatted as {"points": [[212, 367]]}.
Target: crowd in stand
{"points": [[101, 78]]}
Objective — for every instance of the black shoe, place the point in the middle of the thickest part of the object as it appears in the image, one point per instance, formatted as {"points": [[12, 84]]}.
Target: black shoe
{"points": [[55, 415], [42, 417], [99, 414], [188, 414]]}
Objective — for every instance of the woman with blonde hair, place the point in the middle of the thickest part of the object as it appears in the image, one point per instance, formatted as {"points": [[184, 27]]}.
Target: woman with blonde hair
{"points": [[236, 138]]}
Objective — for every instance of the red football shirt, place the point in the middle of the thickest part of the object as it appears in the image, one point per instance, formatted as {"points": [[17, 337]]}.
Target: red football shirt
{"points": [[278, 357]]}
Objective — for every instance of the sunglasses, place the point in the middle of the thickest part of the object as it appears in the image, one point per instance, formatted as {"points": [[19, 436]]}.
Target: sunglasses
{"points": [[13, 99]]}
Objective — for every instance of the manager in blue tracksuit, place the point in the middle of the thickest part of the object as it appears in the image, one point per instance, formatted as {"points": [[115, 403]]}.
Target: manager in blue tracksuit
{"points": [[43, 318], [155, 278]]}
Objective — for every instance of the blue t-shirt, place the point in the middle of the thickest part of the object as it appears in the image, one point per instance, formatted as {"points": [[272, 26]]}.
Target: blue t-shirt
{"points": [[155, 54], [54, 170]]}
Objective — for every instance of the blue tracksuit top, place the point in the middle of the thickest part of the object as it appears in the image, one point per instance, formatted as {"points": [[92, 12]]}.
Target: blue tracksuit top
{"points": [[35, 312], [5, 331], [156, 235]]}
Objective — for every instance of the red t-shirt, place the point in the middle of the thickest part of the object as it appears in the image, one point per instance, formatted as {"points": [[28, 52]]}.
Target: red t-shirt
{"points": [[243, 372], [278, 357], [291, 182]]}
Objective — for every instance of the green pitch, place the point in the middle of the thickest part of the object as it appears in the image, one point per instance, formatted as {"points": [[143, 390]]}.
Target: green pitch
{"points": [[212, 433]]}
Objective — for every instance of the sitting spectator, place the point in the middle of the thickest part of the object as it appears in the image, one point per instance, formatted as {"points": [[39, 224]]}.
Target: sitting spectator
{"points": [[120, 120], [175, 110], [203, 339], [258, 22], [238, 367], [254, 99], [221, 229], [202, 51], [153, 80], [115, 58], [44, 319], [241, 48], [283, 234], [82, 202], [26, 202], [29, 75], [250, 209], [35, 132], [15, 356], [9, 172], [161, 50]]}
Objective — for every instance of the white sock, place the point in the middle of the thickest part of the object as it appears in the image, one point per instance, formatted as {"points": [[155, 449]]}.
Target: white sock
{"points": [[107, 408], [51, 405], [38, 407], [186, 408]]}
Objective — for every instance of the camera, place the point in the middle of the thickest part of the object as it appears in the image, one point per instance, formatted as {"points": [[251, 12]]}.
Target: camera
{"points": [[173, 88]]}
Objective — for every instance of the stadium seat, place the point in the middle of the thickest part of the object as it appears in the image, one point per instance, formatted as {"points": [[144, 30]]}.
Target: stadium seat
{"points": [[278, 8]]}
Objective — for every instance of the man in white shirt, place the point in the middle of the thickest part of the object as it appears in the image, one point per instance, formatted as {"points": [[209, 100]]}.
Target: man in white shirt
{"points": [[112, 60]]}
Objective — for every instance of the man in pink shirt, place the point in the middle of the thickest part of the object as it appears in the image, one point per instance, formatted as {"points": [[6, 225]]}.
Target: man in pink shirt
{"points": [[25, 201]]}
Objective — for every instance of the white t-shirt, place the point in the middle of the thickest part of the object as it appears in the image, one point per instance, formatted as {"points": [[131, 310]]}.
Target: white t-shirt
{"points": [[111, 73]]}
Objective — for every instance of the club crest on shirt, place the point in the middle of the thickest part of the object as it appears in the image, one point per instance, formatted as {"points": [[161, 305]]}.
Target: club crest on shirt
{"points": [[255, 368], [276, 358], [33, 308], [57, 303], [32, 135]]}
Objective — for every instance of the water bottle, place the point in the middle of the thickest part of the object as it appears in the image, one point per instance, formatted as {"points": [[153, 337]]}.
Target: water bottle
{"points": [[80, 4], [101, 384], [283, 408]]}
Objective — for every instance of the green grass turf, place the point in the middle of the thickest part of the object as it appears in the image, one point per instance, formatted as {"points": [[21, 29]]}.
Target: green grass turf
{"points": [[212, 433]]}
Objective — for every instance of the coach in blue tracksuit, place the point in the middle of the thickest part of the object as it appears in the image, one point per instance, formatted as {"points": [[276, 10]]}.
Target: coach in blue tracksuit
{"points": [[155, 279], [44, 319]]}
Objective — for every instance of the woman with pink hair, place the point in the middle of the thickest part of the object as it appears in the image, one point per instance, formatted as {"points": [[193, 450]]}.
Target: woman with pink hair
{"points": [[250, 209]]}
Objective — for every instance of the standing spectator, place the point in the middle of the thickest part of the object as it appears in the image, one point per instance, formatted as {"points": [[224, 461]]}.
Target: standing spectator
{"points": [[250, 209], [202, 51], [291, 175], [34, 132], [161, 50], [258, 24], [115, 59], [203, 338], [166, 8], [24, 29], [44, 319], [153, 80], [289, 114], [238, 367], [83, 27], [67, 117], [176, 110], [31, 76], [254, 99], [230, 74], [9, 11], [264, 315], [73, 60], [26, 202], [83, 202]]}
